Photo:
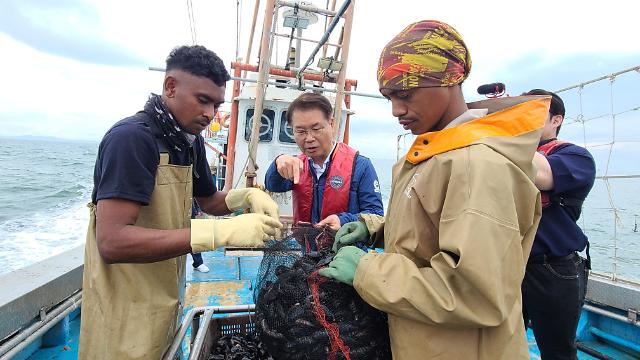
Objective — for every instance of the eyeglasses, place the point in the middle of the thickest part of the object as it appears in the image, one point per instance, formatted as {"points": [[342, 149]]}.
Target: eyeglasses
{"points": [[302, 133]]}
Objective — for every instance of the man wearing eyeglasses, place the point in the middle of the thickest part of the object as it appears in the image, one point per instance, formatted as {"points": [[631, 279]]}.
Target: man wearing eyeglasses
{"points": [[332, 184]]}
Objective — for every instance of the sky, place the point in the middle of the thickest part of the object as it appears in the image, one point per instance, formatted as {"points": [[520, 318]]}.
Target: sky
{"points": [[75, 67]]}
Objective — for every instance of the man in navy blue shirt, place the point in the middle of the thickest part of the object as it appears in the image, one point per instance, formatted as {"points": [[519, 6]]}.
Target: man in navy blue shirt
{"points": [[332, 184], [555, 281], [149, 168]]}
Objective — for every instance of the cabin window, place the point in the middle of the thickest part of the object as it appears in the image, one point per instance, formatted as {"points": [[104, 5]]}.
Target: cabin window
{"points": [[286, 131], [266, 125]]}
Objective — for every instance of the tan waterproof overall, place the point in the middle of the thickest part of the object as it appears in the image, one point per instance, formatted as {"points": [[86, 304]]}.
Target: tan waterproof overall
{"points": [[129, 311], [457, 235]]}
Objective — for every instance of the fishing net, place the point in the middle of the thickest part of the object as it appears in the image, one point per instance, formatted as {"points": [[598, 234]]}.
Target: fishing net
{"points": [[301, 315], [280, 255]]}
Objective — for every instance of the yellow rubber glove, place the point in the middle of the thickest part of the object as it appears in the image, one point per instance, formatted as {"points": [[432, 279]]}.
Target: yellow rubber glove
{"points": [[257, 200], [246, 230]]}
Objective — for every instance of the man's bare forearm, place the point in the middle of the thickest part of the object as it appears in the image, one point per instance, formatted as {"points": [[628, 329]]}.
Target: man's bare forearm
{"points": [[134, 244]]}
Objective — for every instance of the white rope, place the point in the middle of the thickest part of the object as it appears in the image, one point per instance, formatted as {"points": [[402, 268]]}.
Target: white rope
{"points": [[580, 120], [616, 215], [262, 86]]}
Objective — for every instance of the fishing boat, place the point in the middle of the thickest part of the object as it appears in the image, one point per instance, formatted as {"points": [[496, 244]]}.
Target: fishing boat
{"points": [[40, 304]]}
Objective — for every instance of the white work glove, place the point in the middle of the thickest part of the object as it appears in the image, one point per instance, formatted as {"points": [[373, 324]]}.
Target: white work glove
{"points": [[257, 200], [246, 230]]}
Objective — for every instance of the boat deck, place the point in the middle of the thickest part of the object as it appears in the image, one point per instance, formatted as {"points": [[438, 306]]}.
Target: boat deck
{"points": [[231, 282]]}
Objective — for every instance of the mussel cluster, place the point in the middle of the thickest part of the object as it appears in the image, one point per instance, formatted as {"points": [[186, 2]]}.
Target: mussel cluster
{"points": [[239, 347], [288, 322]]}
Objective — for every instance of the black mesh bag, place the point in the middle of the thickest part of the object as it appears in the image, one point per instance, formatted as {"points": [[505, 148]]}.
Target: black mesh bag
{"points": [[301, 315]]}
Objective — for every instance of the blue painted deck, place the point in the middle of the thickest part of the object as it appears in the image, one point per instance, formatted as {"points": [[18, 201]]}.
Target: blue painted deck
{"points": [[602, 341], [231, 282], [68, 348]]}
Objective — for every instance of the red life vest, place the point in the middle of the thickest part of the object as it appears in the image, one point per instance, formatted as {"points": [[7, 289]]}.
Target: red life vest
{"points": [[546, 150], [336, 188]]}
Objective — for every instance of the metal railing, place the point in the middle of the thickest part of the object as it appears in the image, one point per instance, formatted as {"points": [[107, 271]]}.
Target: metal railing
{"points": [[47, 320]]}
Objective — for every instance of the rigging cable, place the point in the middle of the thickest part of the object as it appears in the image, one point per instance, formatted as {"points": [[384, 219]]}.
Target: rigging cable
{"points": [[238, 27], [192, 22]]}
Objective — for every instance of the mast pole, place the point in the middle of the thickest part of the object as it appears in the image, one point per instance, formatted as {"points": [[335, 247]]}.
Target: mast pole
{"points": [[346, 40], [263, 71], [253, 28]]}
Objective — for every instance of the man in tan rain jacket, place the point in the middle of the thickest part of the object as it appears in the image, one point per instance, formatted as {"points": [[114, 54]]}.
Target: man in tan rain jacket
{"points": [[463, 210], [149, 168]]}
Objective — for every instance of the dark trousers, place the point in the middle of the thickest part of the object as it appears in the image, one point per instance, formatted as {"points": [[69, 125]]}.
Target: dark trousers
{"points": [[553, 293], [197, 259]]}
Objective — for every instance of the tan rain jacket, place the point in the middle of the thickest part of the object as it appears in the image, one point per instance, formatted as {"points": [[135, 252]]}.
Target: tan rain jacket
{"points": [[461, 220]]}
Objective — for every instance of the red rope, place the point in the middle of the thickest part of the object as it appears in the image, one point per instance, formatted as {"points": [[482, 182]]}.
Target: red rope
{"points": [[332, 329], [304, 234], [324, 240], [307, 245]]}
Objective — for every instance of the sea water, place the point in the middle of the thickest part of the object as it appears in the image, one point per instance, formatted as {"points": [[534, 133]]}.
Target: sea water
{"points": [[45, 185]]}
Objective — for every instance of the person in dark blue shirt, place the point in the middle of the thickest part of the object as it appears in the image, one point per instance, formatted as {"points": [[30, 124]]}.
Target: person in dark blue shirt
{"points": [[332, 184], [555, 280], [149, 168]]}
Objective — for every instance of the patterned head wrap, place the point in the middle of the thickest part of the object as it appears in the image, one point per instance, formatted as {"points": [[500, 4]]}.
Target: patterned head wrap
{"points": [[428, 53]]}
